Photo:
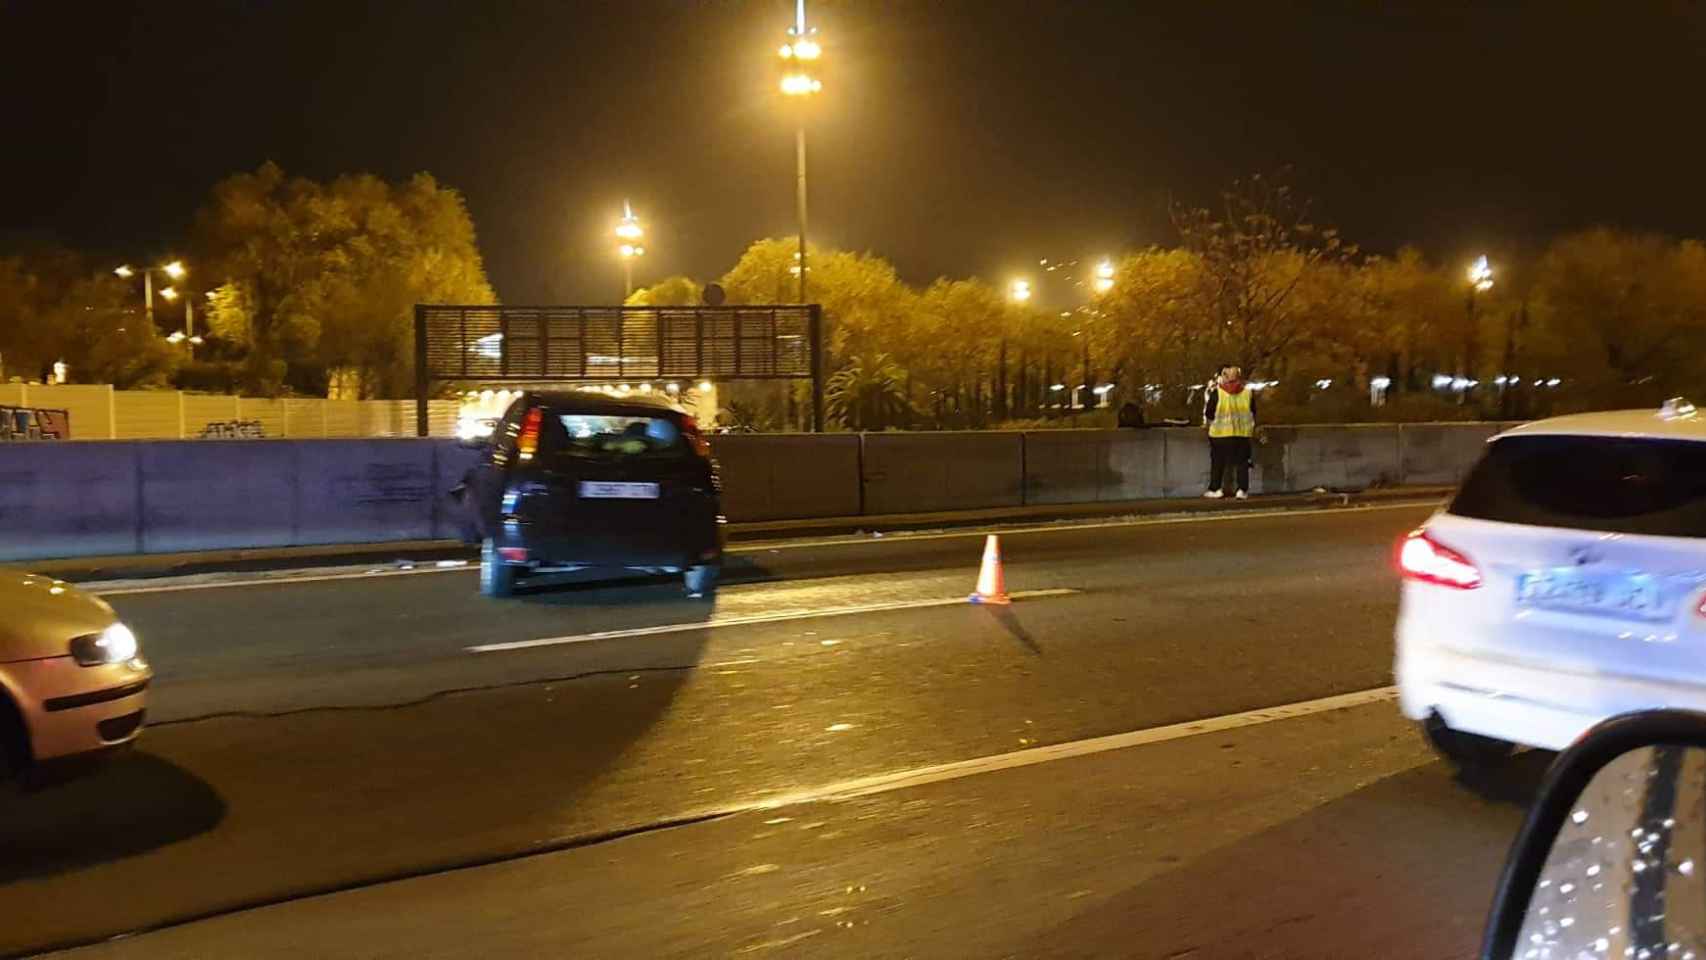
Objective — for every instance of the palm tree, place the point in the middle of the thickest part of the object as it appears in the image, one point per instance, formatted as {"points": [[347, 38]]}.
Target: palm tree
{"points": [[869, 394]]}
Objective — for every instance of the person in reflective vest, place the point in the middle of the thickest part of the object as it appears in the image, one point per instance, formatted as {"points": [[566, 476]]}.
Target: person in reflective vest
{"points": [[1230, 413]]}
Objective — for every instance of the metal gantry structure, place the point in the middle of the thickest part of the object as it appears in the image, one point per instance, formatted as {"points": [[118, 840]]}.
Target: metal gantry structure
{"points": [[570, 345]]}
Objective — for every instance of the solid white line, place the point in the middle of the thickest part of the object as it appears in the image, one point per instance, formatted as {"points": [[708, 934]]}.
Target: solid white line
{"points": [[98, 591], [1060, 526], [900, 780], [1063, 526], [740, 621]]}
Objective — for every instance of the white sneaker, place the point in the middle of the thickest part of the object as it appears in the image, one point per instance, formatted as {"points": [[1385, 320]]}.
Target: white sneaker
{"points": [[1243, 496], [1213, 494]]}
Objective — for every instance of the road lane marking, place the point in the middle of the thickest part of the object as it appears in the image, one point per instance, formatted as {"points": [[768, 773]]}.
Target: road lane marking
{"points": [[761, 547], [1067, 526], [958, 769], [745, 620]]}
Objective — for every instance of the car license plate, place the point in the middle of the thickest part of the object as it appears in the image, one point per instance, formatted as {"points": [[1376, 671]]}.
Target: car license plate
{"points": [[603, 490], [1616, 595]]}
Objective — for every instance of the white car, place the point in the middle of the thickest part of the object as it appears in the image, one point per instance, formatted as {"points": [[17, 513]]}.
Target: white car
{"points": [[1565, 583], [73, 682]]}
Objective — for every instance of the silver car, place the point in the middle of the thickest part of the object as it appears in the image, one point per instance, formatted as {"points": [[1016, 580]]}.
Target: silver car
{"points": [[72, 678]]}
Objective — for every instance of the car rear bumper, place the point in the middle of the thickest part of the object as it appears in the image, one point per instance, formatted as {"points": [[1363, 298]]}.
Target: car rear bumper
{"points": [[70, 709], [1521, 702], [694, 544]]}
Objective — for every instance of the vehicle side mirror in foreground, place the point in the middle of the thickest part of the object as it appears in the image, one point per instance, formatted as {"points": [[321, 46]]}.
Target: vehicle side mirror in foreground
{"points": [[1611, 862]]}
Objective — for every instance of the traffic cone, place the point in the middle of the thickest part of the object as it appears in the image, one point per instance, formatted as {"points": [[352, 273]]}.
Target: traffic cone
{"points": [[991, 585]]}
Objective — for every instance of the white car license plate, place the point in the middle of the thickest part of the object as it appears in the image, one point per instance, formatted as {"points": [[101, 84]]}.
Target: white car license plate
{"points": [[1617, 595], [603, 490]]}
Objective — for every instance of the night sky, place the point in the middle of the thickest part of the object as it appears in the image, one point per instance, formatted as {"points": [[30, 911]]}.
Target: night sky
{"points": [[953, 137]]}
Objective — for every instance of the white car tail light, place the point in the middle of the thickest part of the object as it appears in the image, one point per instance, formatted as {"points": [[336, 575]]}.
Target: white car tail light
{"points": [[1420, 557]]}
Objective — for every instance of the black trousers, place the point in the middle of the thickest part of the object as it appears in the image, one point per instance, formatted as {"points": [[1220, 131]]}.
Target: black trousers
{"points": [[1232, 453]]}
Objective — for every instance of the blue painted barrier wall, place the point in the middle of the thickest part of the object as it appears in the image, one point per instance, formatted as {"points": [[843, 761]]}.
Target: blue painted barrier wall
{"points": [[122, 497]]}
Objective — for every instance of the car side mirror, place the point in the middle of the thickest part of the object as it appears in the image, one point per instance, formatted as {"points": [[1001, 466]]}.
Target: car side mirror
{"points": [[1611, 862]]}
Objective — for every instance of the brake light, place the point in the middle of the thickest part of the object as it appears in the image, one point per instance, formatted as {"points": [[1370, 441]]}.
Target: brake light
{"points": [[528, 443], [1421, 557], [701, 446]]}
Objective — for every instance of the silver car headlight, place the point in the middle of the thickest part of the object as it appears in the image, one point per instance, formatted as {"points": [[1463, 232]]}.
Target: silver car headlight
{"points": [[115, 644]]}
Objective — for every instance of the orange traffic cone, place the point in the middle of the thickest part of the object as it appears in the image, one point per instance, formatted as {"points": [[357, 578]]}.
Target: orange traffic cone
{"points": [[991, 585]]}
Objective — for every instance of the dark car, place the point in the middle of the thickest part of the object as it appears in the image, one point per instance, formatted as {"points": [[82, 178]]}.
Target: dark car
{"points": [[574, 481]]}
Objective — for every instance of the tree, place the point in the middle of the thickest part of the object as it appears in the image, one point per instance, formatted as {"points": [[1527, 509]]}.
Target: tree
{"points": [[867, 394], [1256, 252], [1621, 316], [59, 306], [669, 292], [317, 278], [1150, 332]]}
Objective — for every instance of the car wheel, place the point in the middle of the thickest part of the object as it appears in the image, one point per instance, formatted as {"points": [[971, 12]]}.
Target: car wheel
{"points": [[1467, 751], [497, 579], [701, 581]]}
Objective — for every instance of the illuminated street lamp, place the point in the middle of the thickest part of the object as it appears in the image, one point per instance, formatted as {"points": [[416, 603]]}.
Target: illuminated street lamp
{"points": [[1480, 275], [1019, 291], [1480, 281], [800, 60], [174, 270], [628, 230], [1104, 276]]}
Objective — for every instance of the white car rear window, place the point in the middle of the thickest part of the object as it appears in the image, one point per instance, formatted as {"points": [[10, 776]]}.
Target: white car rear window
{"points": [[1609, 484]]}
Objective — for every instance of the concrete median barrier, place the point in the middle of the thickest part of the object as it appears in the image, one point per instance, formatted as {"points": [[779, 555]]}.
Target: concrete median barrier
{"points": [[788, 476], [215, 496], [1440, 452], [922, 472], [364, 491], [1351, 457], [122, 497], [1086, 466], [64, 499]]}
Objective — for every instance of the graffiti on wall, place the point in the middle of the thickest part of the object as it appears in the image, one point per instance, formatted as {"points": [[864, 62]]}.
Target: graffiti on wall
{"points": [[34, 423], [233, 430]]}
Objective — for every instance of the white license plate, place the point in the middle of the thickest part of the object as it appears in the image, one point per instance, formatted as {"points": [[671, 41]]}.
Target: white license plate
{"points": [[602, 490], [1616, 595]]}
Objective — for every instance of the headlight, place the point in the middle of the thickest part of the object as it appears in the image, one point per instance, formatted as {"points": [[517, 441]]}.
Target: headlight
{"points": [[115, 644]]}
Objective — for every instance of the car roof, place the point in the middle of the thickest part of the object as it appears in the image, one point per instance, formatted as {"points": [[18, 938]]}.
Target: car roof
{"points": [[1685, 424], [590, 402]]}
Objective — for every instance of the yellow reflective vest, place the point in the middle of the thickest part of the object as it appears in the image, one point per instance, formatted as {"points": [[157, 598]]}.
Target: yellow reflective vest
{"points": [[1232, 415]]}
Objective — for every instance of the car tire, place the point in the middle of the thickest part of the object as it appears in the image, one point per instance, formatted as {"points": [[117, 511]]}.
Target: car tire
{"points": [[701, 581], [1468, 752], [497, 579]]}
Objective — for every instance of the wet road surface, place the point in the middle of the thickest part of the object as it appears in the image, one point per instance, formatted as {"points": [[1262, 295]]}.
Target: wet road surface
{"points": [[344, 738]]}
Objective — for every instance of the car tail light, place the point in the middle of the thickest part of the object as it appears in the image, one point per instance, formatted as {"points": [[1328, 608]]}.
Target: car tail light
{"points": [[701, 446], [1421, 557], [528, 443]]}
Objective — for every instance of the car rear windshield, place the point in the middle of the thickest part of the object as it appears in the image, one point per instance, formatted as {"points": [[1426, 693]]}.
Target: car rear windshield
{"points": [[605, 437], [1610, 484]]}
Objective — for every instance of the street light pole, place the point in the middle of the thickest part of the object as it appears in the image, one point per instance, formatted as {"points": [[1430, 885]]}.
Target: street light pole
{"points": [[800, 190], [1480, 281], [800, 56], [628, 230], [1019, 292]]}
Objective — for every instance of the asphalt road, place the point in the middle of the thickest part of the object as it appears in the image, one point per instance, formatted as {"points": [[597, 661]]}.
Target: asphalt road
{"points": [[336, 769]]}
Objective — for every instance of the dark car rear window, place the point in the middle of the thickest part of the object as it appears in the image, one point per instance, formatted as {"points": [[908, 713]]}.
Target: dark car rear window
{"points": [[599, 436], [1609, 484]]}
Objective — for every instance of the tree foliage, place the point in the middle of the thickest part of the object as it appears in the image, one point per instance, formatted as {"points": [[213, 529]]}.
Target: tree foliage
{"points": [[668, 292], [315, 278], [60, 307]]}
